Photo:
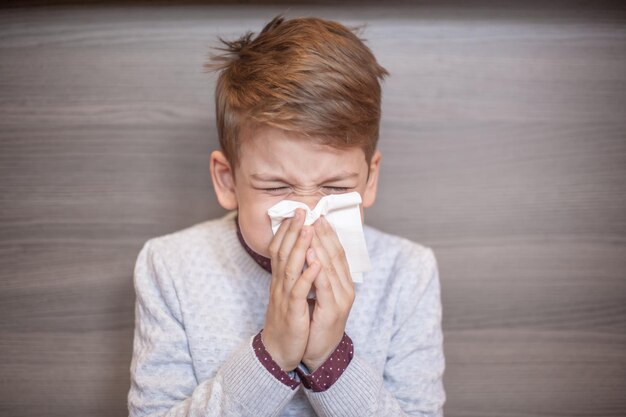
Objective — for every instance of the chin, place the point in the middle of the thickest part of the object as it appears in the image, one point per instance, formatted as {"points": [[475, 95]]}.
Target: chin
{"points": [[259, 245], [263, 251]]}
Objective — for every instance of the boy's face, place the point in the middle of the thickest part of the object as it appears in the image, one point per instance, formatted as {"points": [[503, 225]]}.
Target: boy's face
{"points": [[277, 165]]}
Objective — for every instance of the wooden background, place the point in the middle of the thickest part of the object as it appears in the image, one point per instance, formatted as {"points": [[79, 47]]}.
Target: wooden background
{"points": [[504, 149]]}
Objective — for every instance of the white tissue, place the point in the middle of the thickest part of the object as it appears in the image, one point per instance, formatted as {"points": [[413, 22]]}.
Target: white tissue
{"points": [[343, 213]]}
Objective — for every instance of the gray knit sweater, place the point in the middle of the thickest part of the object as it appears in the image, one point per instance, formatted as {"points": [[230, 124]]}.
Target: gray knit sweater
{"points": [[201, 298]]}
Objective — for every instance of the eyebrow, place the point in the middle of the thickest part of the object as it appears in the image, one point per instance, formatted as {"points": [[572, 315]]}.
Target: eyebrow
{"points": [[272, 178]]}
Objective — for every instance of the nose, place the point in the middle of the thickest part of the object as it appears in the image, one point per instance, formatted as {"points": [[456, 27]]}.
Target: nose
{"points": [[310, 200]]}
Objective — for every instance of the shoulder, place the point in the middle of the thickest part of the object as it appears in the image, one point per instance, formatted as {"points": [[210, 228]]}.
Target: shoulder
{"points": [[207, 240], [388, 251], [196, 234], [401, 268]]}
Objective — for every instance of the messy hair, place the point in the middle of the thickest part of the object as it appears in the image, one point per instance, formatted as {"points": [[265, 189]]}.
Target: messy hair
{"points": [[306, 75]]}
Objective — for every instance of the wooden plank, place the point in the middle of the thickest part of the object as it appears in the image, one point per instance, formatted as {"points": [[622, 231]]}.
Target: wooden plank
{"points": [[56, 373], [503, 149], [519, 373]]}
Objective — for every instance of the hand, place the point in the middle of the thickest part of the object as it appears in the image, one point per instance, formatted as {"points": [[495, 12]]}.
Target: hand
{"points": [[335, 295], [286, 329]]}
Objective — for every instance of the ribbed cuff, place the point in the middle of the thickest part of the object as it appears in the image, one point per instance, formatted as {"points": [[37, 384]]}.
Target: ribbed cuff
{"points": [[249, 384], [354, 394]]}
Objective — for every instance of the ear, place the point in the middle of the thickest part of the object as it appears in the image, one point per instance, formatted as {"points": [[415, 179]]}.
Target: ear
{"points": [[369, 196], [223, 178]]}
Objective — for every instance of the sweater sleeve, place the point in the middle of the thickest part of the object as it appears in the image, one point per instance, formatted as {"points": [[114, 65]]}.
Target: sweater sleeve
{"points": [[411, 384], [163, 381]]}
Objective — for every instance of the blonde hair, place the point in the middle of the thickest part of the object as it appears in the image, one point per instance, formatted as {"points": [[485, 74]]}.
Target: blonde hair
{"points": [[307, 75]]}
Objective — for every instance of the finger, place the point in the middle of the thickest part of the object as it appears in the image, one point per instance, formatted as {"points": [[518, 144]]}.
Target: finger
{"points": [[302, 287], [275, 243], [277, 240], [336, 253], [328, 269], [295, 263], [324, 293], [291, 235]]}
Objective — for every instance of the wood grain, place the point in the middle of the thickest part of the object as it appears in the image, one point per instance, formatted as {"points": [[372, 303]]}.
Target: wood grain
{"points": [[503, 149]]}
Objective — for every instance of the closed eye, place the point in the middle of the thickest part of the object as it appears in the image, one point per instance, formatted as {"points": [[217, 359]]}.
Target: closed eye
{"points": [[275, 189], [337, 190]]}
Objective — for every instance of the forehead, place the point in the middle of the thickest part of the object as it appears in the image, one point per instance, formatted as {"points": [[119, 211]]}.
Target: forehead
{"points": [[268, 151]]}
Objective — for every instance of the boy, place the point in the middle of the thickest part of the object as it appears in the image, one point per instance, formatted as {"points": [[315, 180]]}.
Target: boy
{"points": [[223, 325]]}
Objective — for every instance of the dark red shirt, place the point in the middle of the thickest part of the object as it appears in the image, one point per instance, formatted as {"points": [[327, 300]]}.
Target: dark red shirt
{"points": [[321, 379]]}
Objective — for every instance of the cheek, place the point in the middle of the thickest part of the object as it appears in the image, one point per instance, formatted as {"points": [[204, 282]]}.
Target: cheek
{"points": [[256, 226], [365, 195]]}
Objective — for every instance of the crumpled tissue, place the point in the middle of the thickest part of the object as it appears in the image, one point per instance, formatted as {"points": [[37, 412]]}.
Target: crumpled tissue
{"points": [[343, 213]]}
